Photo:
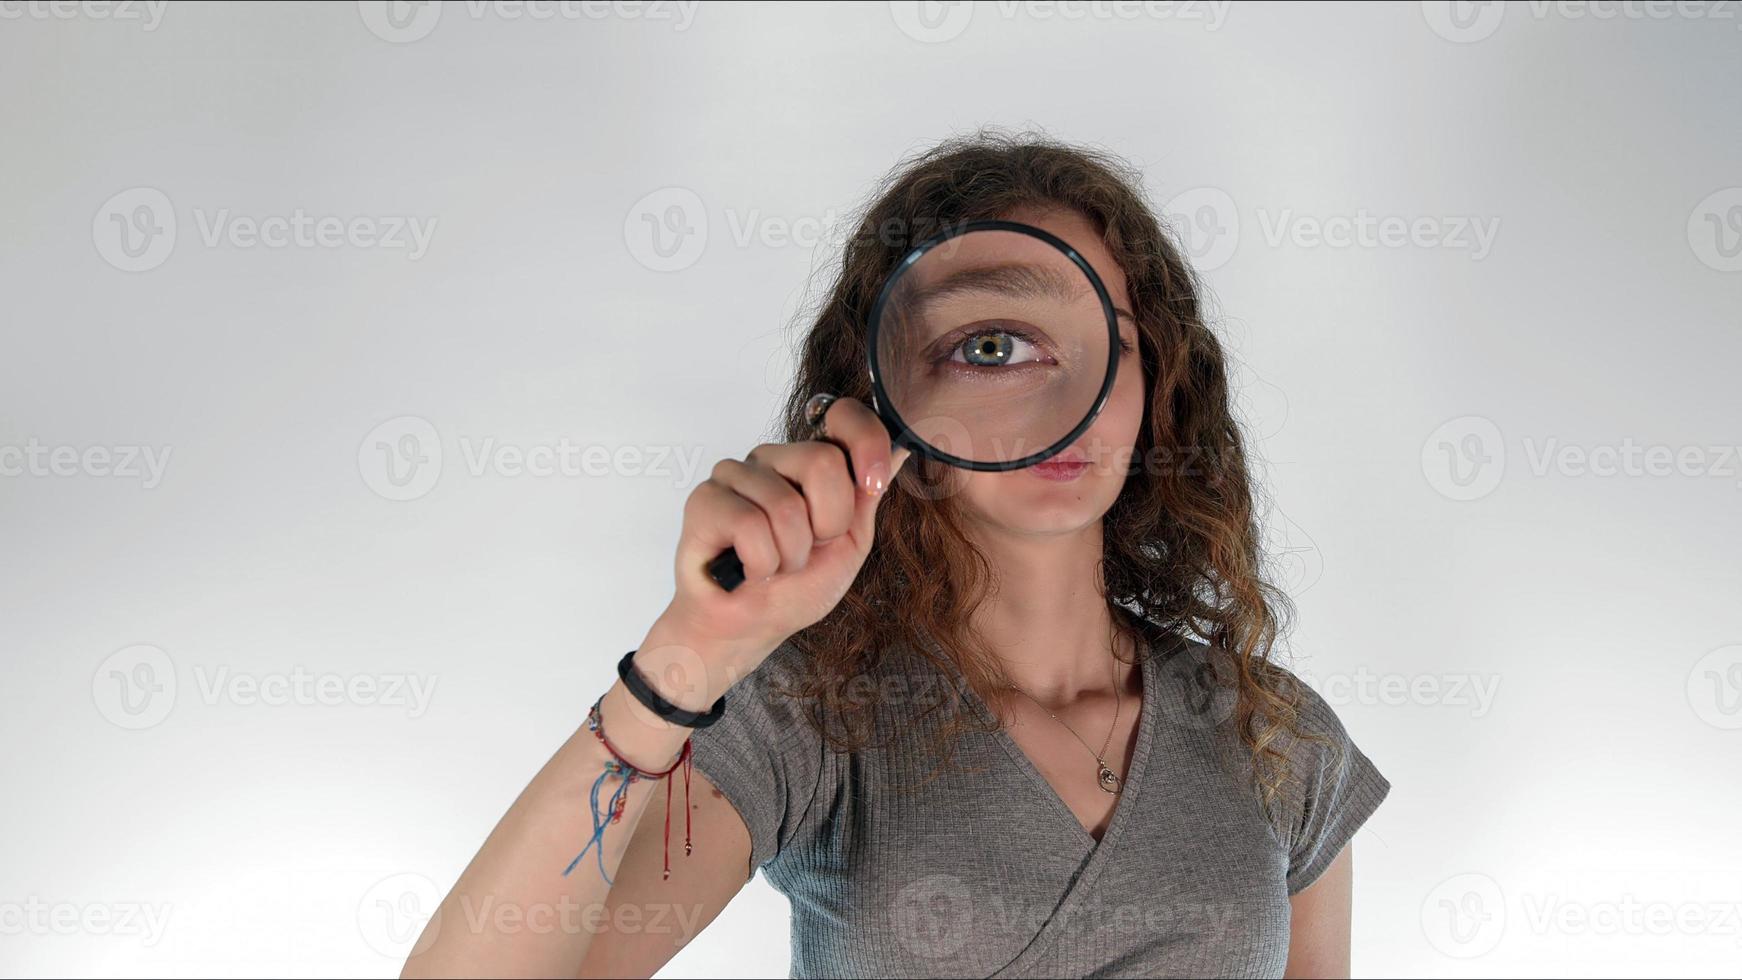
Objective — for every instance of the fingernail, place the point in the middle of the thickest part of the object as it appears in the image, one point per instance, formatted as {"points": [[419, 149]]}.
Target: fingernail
{"points": [[876, 478]]}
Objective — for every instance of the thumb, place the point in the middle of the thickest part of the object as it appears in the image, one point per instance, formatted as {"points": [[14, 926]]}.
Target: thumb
{"points": [[865, 508]]}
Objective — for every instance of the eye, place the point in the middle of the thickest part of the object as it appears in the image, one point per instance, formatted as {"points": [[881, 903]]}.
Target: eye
{"points": [[995, 348]]}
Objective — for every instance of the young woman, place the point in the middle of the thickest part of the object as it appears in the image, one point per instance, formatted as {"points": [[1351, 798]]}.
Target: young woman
{"points": [[979, 724]]}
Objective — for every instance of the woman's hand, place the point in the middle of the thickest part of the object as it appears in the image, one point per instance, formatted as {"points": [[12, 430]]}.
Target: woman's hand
{"points": [[802, 524]]}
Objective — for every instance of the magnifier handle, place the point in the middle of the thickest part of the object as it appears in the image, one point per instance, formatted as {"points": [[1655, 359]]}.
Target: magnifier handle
{"points": [[726, 570]]}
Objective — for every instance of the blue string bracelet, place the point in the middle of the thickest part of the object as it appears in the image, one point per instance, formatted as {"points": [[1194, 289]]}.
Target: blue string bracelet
{"points": [[621, 768]]}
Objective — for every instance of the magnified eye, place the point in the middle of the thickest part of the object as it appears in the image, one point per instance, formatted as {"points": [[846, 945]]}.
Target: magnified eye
{"points": [[995, 348]]}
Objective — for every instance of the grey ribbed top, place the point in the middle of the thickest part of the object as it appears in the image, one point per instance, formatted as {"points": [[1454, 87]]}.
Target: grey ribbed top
{"points": [[985, 872]]}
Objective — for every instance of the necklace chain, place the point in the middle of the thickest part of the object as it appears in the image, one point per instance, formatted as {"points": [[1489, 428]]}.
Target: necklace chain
{"points": [[1109, 780]]}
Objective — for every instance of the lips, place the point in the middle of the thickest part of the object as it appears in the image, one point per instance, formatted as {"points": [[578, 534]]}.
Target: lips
{"points": [[1064, 467]]}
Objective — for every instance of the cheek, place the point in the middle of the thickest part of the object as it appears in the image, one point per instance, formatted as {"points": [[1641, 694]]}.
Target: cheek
{"points": [[1111, 441], [1116, 428]]}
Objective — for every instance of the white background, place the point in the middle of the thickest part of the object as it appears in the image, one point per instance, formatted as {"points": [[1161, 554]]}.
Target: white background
{"points": [[210, 703]]}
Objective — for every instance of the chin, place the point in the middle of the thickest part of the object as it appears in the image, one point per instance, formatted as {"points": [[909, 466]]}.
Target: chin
{"points": [[1027, 504]]}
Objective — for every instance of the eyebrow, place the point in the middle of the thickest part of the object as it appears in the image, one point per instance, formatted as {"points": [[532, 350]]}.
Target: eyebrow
{"points": [[1014, 278]]}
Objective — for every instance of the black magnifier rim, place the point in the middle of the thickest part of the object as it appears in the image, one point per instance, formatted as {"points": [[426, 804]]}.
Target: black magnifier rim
{"points": [[898, 427]]}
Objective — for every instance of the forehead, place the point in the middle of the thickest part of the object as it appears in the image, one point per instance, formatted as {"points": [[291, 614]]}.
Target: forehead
{"points": [[1081, 234], [1003, 266], [1006, 263]]}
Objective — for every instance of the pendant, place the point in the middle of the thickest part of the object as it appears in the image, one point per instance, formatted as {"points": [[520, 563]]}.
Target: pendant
{"points": [[1109, 780]]}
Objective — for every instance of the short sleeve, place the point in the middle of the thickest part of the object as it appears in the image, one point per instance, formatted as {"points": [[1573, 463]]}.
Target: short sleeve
{"points": [[1333, 789], [763, 755]]}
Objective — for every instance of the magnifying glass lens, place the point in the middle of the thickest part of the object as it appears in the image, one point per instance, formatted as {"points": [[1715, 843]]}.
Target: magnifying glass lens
{"points": [[991, 349], [993, 346]]}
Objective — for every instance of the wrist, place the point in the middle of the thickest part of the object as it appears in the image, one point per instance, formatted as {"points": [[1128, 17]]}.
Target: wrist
{"points": [[638, 736], [685, 670]]}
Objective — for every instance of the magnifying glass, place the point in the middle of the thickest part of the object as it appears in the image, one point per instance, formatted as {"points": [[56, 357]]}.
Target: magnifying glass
{"points": [[992, 347]]}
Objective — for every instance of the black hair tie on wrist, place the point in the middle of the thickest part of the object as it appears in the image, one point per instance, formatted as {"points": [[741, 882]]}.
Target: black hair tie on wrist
{"points": [[667, 711]]}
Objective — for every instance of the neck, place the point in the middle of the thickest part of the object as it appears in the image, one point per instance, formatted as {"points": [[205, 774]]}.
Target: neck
{"points": [[1047, 617]]}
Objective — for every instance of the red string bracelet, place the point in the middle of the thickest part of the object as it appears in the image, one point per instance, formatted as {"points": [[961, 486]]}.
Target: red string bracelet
{"points": [[630, 773]]}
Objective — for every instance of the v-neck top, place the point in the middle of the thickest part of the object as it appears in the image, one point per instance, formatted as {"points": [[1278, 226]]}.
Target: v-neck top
{"points": [[982, 870]]}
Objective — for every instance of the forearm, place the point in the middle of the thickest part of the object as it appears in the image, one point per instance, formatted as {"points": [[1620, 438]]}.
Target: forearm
{"points": [[513, 912]]}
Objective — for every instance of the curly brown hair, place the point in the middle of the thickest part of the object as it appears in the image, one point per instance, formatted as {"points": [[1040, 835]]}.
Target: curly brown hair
{"points": [[1181, 541]]}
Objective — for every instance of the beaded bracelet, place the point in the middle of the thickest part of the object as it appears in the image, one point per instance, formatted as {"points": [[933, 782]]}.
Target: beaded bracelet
{"points": [[622, 768]]}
